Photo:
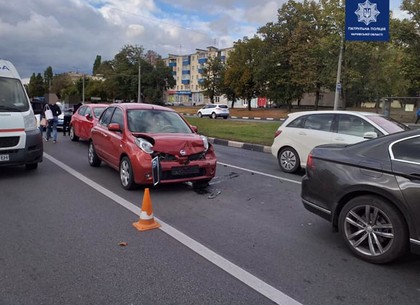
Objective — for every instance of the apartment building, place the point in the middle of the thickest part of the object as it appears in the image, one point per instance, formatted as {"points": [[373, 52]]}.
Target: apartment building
{"points": [[188, 73]]}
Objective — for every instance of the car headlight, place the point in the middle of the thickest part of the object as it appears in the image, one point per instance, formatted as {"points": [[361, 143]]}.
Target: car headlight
{"points": [[144, 145], [30, 121], [205, 142]]}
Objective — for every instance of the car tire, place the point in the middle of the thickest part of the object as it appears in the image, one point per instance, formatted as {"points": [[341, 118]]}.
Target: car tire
{"points": [[72, 134], [31, 166], [213, 115], [126, 174], [200, 115], [378, 238], [93, 158], [225, 117], [289, 160]]}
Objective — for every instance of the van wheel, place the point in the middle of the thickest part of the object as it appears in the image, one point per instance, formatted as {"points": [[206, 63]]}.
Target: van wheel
{"points": [[31, 166], [73, 136], [200, 115], [92, 156], [213, 115], [288, 160]]}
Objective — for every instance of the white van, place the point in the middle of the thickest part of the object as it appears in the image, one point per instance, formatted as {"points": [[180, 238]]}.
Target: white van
{"points": [[20, 138]]}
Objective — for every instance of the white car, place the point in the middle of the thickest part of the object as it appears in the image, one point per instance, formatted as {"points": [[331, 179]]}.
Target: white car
{"points": [[214, 111], [302, 131]]}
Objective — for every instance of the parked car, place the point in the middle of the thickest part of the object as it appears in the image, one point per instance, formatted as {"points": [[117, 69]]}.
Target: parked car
{"points": [[83, 120], [150, 144], [370, 191], [214, 111], [304, 130]]}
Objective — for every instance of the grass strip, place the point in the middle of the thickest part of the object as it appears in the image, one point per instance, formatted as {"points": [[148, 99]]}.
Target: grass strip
{"points": [[248, 132]]}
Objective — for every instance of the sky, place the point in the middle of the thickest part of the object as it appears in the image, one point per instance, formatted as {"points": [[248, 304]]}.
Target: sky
{"points": [[68, 34]]}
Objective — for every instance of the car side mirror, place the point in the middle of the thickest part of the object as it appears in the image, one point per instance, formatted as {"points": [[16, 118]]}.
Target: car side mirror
{"points": [[370, 135], [194, 128], [114, 127], [88, 116]]}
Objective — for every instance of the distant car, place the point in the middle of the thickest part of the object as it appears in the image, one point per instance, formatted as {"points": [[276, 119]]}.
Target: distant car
{"points": [[302, 131], [214, 111], [82, 121], [150, 144], [370, 191]]}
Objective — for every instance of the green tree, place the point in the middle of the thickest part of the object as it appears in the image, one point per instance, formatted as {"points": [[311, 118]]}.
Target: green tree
{"points": [[212, 73], [96, 64], [36, 85], [48, 76], [242, 66]]}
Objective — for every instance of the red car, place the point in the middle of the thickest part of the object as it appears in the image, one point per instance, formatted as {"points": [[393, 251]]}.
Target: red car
{"points": [[150, 144], [82, 121]]}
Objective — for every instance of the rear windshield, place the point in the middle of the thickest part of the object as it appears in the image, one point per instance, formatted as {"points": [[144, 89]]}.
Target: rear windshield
{"points": [[223, 106], [12, 96], [388, 124]]}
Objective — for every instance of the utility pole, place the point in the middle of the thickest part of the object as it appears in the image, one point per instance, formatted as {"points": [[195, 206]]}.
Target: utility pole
{"points": [[139, 87]]}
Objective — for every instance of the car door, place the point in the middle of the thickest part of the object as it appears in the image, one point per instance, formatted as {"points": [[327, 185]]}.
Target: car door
{"points": [[405, 160], [314, 130], [350, 129], [112, 146], [86, 123], [100, 134], [78, 120]]}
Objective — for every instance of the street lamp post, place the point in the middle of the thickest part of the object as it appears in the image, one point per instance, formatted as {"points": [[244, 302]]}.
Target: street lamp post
{"points": [[139, 86], [338, 85]]}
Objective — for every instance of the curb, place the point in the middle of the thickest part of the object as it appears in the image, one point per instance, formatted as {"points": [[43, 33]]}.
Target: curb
{"points": [[241, 117], [248, 146]]}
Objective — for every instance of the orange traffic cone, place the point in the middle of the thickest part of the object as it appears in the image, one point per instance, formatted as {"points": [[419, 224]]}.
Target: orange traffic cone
{"points": [[146, 221]]}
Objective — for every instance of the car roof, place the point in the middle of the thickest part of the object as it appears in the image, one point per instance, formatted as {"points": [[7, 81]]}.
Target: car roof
{"points": [[359, 113], [142, 106]]}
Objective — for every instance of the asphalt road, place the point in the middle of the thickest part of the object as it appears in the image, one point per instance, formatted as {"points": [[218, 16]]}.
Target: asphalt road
{"points": [[246, 239]]}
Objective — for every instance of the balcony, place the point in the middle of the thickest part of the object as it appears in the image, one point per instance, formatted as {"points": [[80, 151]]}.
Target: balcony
{"points": [[172, 64], [185, 72], [202, 61], [185, 81], [201, 71]]}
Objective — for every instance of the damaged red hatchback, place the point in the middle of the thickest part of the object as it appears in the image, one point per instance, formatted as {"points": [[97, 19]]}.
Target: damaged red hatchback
{"points": [[150, 144]]}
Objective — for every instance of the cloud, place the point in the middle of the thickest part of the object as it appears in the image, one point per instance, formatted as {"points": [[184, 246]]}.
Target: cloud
{"points": [[68, 34]]}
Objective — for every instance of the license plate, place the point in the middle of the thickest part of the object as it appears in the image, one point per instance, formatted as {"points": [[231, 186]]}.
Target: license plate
{"points": [[4, 158], [185, 170]]}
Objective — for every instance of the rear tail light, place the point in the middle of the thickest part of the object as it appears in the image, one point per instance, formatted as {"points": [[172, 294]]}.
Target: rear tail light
{"points": [[310, 162], [278, 132]]}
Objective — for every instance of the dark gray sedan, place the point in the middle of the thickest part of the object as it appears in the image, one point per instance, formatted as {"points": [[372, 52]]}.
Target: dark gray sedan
{"points": [[370, 191]]}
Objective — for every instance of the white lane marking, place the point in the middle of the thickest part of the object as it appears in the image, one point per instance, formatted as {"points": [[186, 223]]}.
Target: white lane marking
{"points": [[252, 281], [260, 173]]}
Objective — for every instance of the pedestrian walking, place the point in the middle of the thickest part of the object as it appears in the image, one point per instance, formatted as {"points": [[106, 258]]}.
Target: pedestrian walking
{"points": [[418, 115], [52, 122], [77, 106]]}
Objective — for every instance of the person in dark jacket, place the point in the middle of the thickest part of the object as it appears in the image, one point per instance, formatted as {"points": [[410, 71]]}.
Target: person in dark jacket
{"points": [[68, 112], [52, 123]]}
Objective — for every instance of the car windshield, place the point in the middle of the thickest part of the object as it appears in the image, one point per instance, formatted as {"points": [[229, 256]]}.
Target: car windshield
{"points": [[156, 121], [97, 111], [12, 96], [388, 124]]}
